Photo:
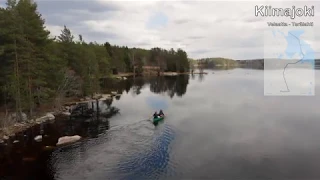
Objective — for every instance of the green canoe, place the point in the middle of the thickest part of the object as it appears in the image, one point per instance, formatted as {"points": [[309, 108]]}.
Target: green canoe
{"points": [[155, 120]]}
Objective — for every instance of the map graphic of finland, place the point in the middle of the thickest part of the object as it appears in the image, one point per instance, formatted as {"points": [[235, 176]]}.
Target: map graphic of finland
{"points": [[291, 71]]}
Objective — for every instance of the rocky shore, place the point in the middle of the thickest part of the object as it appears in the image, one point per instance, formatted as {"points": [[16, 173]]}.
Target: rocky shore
{"points": [[8, 133]]}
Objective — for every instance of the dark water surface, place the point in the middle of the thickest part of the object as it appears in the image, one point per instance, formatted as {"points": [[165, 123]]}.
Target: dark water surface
{"points": [[217, 126]]}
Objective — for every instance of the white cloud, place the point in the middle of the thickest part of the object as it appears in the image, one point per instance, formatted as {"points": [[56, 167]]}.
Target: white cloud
{"points": [[202, 28]]}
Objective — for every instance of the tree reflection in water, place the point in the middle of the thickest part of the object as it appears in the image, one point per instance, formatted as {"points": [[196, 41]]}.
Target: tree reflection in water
{"points": [[137, 85], [192, 76], [201, 77], [172, 85]]}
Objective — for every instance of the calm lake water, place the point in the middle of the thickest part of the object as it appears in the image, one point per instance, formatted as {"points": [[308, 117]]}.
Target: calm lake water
{"points": [[217, 126]]}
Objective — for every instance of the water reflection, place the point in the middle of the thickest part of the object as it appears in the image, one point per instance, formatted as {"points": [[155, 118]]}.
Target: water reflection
{"points": [[172, 85], [201, 77]]}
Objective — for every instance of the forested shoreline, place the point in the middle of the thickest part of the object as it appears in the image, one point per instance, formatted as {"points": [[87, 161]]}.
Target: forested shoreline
{"points": [[38, 70], [217, 62]]}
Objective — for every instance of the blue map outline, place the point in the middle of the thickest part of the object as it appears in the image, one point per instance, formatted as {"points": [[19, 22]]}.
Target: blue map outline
{"points": [[296, 45]]}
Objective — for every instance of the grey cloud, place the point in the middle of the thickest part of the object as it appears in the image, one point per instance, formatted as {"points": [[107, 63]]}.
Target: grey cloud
{"points": [[90, 34], [99, 36], [253, 19], [177, 40], [73, 14], [225, 19], [200, 51], [143, 44], [181, 21], [57, 6], [61, 20], [93, 35], [196, 37], [242, 41]]}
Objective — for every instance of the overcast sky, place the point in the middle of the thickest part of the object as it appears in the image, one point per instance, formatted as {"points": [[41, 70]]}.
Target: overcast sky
{"points": [[202, 28]]}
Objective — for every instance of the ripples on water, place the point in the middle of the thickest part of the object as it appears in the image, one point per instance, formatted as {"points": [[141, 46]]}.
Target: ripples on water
{"points": [[135, 151]]}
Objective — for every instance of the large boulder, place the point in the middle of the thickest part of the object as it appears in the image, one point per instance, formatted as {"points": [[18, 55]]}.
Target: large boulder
{"points": [[47, 117], [50, 116]]}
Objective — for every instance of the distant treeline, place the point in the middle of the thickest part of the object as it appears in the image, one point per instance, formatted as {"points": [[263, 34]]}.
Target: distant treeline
{"points": [[252, 64], [36, 69], [259, 63], [216, 62], [224, 62]]}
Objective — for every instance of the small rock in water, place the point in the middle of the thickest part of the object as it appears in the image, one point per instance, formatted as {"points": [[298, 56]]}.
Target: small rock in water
{"points": [[15, 141], [38, 138], [1, 141], [68, 139], [48, 147]]}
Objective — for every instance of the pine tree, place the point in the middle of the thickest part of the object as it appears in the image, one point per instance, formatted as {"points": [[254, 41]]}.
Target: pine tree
{"points": [[11, 35], [33, 47], [66, 35]]}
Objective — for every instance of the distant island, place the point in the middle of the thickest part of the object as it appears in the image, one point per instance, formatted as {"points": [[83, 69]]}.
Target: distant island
{"points": [[208, 63]]}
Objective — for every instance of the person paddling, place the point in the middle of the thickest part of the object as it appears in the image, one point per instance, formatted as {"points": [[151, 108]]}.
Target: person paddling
{"points": [[161, 113], [155, 115]]}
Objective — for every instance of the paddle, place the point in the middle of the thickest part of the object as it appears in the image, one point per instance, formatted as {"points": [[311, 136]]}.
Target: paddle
{"points": [[149, 119]]}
